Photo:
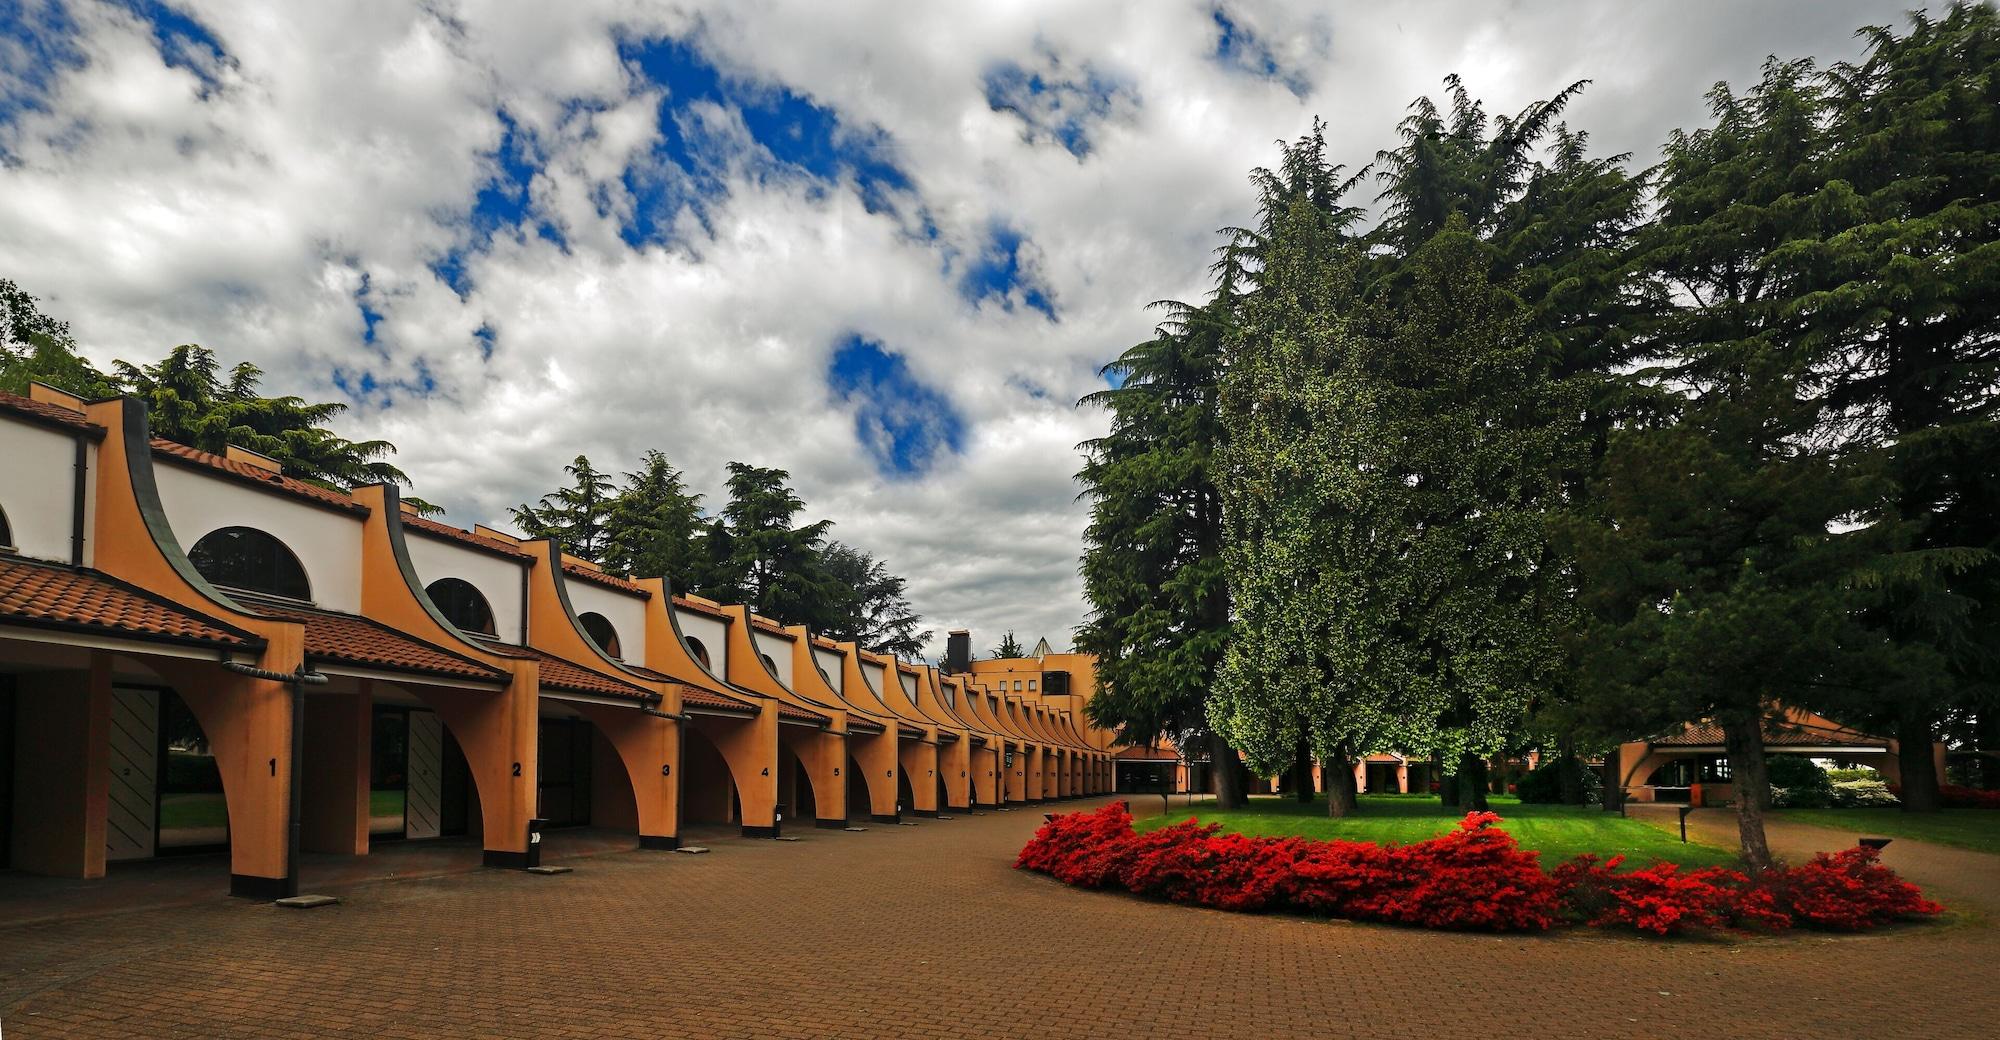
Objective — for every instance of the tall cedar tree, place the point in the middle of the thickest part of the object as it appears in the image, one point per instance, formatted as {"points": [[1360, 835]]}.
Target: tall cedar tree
{"points": [[774, 563], [1152, 567], [653, 526], [1559, 224], [1719, 587], [575, 516], [874, 606], [1905, 312]]}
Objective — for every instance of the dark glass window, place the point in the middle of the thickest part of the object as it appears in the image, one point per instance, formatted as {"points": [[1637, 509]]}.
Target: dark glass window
{"points": [[462, 605], [6, 533], [248, 559], [769, 664], [700, 651], [600, 632]]}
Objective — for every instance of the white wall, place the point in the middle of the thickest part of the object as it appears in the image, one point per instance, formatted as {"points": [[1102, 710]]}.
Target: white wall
{"points": [[327, 543], [712, 632], [875, 676], [497, 578], [909, 685], [38, 487], [626, 613], [779, 650], [830, 663]]}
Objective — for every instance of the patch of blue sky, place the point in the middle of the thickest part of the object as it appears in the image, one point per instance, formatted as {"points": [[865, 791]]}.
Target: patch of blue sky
{"points": [[904, 424], [1239, 48], [800, 138], [1055, 105], [997, 273]]}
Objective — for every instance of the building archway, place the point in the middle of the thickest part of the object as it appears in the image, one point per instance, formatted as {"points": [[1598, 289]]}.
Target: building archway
{"points": [[906, 799], [708, 790]]}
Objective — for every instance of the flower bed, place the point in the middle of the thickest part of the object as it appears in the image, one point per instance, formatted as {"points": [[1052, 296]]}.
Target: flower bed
{"points": [[1473, 878]]}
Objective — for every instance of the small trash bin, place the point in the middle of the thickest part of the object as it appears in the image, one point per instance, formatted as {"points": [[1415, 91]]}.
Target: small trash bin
{"points": [[535, 825]]}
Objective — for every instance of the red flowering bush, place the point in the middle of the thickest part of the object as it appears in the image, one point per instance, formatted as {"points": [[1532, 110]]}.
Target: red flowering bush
{"points": [[1662, 899], [1845, 891], [1474, 877], [1081, 849]]}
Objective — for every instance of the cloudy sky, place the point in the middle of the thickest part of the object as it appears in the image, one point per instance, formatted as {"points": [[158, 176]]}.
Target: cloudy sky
{"points": [[884, 246]]}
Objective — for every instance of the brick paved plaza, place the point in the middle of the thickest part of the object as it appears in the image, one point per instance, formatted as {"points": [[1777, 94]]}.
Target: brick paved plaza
{"points": [[923, 931]]}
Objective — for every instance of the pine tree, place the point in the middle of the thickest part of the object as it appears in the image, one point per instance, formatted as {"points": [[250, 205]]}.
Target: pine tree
{"points": [[1717, 587], [874, 608], [1009, 649], [653, 525], [773, 562], [1903, 317], [575, 516]]}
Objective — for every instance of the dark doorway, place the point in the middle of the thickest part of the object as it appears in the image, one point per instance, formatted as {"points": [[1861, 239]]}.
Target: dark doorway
{"points": [[906, 800], [564, 772], [388, 773], [858, 805]]}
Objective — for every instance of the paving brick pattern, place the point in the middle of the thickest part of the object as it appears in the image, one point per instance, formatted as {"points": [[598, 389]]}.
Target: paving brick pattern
{"points": [[926, 932]]}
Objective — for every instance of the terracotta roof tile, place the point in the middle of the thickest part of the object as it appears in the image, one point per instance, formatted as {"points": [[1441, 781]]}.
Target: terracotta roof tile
{"points": [[243, 471], [609, 581], [425, 525], [771, 628], [700, 608], [347, 639], [47, 414], [559, 674], [55, 596], [792, 711], [695, 695]]}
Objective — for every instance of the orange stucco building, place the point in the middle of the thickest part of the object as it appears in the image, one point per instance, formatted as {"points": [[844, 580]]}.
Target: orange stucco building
{"points": [[200, 652]]}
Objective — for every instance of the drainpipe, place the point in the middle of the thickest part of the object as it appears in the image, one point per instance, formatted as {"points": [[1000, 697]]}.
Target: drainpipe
{"points": [[296, 682], [77, 501]]}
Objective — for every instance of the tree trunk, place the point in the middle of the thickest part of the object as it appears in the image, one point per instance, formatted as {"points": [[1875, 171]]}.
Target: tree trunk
{"points": [[1614, 789], [1302, 772], [1913, 754], [1447, 785], [1569, 772], [1472, 783], [1228, 773], [1743, 739], [1986, 737], [1338, 772]]}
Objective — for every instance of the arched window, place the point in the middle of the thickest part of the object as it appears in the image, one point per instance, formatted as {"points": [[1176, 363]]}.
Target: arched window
{"points": [[700, 651], [769, 664], [6, 533], [462, 605], [248, 559], [599, 629]]}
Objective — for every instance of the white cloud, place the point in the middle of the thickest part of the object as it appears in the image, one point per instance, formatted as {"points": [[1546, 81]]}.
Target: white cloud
{"points": [[241, 203]]}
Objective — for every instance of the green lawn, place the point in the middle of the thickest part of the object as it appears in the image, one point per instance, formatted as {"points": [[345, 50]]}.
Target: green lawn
{"points": [[1977, 829], [385, 803], [193, 811], [1558, 831]]}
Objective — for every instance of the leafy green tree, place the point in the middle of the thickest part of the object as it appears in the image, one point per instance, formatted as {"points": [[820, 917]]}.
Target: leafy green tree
{"points": [[653, 525], [874, 606], [1009, 648], [191, 402], [575, 516], [36, 348]]}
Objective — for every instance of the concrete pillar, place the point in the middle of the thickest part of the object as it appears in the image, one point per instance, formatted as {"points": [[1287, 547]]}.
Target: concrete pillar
{"points": [[334, 780], [62, 762], [919, 761]]}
